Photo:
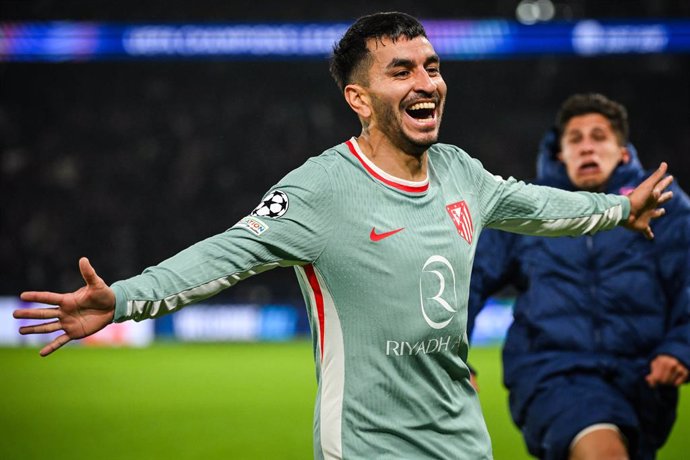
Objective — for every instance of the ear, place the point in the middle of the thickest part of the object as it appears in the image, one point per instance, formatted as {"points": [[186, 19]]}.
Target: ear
{"points": [[358, 99], [559, 156], [625, 158]]}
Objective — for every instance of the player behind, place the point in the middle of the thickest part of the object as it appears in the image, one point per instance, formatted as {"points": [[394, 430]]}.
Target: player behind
{"points": [[601, 337]]}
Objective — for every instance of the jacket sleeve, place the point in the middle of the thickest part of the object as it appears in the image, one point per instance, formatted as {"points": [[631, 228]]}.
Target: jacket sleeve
{"points": [[287, 228], [495, 267], [674, 262]]}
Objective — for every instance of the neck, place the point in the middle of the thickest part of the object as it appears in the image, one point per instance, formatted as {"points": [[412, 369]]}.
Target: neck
{"points": [[392, 159]]}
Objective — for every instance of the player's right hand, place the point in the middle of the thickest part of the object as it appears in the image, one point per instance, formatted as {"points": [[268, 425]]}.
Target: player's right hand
{"points": [[79, 314], [646, 199]]}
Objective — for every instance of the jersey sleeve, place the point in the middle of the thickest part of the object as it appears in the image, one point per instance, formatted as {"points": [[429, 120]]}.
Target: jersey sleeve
{"points": [[290, 226], [512, 205]]}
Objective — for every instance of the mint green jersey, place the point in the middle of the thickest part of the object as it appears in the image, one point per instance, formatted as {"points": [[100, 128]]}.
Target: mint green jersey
{"points": [[384, 265]]}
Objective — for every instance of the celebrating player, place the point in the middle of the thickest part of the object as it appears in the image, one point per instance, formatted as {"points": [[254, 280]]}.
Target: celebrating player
{"points": [[381, 230], [601, 337]]}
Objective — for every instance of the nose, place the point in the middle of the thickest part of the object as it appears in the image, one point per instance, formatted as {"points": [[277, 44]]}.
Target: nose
{"points": [[586, 147], [424, 83]]}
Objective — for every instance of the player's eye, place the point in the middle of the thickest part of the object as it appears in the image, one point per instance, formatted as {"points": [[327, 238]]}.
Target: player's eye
{"points": [[599, 136]]}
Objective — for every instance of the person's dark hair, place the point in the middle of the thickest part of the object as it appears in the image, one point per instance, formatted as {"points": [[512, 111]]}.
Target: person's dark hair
{"points": [[583, 104], [351, 51]]}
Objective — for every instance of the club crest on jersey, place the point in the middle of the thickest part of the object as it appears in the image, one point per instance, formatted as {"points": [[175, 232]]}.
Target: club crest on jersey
{"points": [[273, 205], [461, 217]]}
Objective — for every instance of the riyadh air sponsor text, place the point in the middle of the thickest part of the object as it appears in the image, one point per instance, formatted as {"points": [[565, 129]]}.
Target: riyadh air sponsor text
{"points": [[423, 347]]}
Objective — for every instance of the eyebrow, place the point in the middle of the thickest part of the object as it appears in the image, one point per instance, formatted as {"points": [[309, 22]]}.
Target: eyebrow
{"points": [[402, 62], [579, 132]]}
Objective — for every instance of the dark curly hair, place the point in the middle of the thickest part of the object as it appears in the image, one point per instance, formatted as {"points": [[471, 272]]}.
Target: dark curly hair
{"points": [[351, 52], [583, 104]]}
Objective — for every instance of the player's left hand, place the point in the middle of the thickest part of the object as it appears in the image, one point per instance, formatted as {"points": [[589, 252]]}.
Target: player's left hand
{"points": [[666, 370], [646, 199]]}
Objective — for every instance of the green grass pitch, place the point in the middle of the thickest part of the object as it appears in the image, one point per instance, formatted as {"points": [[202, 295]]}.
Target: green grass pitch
{"points": [[211, 401]]}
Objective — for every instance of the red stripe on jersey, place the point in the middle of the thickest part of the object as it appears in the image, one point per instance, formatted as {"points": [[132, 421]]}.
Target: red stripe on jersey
{"points": [[403, 187], [318, 298]]}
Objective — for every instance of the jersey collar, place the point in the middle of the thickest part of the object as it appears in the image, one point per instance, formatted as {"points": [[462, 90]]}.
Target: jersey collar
{"points": [[382, 176]]}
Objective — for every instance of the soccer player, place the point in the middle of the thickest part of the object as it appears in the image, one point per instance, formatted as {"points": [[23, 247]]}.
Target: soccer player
{"points": [[601, 336], [381, 230]]}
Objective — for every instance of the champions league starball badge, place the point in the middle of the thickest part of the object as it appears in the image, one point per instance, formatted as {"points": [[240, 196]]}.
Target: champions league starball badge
{"points": [[274, 205]]}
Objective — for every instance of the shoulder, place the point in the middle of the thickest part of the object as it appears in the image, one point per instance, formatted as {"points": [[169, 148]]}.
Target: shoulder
{"points": [[315, 172], [452, 161], [672, 230], [453, 155], [678, 210], [329, 159], [452, 158], [448, 152], [680, 199]]}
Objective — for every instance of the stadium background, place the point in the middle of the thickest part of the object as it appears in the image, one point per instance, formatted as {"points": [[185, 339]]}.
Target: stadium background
{"points": [[128, 162]]}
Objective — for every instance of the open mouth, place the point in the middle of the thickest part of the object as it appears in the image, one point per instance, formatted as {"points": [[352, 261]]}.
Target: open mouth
{"points": [[422, 111], [589, 167]]}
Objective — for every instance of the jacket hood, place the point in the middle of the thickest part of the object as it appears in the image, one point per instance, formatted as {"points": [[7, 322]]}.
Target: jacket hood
{"points": [[550, 171]]}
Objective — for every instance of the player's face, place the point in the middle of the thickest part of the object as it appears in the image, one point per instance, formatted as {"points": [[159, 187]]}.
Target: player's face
{"points": [[407, 92], [591, 151]]}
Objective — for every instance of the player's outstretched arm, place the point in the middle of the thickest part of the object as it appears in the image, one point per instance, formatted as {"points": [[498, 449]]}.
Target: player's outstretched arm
{"points": [[79, 313], [646, 199]]}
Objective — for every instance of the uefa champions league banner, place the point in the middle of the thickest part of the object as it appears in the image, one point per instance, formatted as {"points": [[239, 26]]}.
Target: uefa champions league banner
{"points": [[453, 39]]}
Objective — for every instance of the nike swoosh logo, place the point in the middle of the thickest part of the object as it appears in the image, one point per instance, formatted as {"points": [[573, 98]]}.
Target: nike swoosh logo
{"points": [[379, 236]]}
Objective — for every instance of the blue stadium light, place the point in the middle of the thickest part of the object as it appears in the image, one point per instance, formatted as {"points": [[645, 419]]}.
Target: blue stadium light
{"points": [[453, 39]]}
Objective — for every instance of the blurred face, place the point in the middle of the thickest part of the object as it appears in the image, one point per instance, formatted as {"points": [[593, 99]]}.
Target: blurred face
{"points": [[406, 93], [591, 151]]}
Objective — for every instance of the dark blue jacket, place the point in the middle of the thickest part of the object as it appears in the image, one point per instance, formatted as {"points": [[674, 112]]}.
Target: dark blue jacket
{"points": [[607, 303]]}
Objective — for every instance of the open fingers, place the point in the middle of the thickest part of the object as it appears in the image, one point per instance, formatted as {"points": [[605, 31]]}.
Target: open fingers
{"points": [[659, 173], [87, 271], [664, 197], [663, 184], [655, 214], [51, 298], [36, 313], [45, 328], [54, 345]]}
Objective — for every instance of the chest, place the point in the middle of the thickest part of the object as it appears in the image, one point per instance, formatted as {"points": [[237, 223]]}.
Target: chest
{"points": [[404, 260], [395, 231]]}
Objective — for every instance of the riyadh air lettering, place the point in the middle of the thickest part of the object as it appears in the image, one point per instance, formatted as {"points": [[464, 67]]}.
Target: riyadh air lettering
{"points": [[425, 347]]}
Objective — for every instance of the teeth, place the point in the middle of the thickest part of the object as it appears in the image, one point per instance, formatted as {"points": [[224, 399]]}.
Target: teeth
{"points": [[423, 105]]}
